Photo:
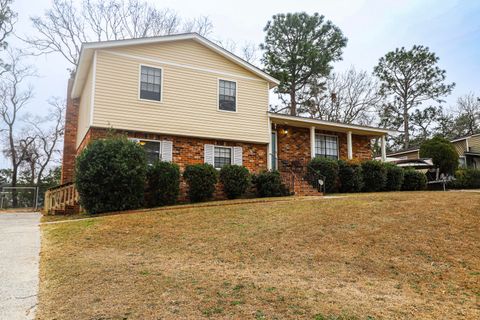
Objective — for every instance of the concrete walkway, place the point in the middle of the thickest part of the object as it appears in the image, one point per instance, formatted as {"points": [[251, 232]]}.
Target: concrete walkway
{"points": [[19, 256]]}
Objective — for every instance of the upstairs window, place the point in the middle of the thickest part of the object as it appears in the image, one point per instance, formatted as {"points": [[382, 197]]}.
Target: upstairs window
{"points": [[150, 83], [326, 146], [227, 95]]}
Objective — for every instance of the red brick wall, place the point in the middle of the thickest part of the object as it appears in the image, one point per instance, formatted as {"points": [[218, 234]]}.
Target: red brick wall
{"points": [[190, 150], [294, 144], [70, 137]]}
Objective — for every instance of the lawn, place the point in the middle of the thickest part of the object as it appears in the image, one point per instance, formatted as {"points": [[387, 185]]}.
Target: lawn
{"points": [[366, 256]]}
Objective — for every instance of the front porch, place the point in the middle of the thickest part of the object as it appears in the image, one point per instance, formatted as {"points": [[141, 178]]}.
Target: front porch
{"points": [[294, 141]]}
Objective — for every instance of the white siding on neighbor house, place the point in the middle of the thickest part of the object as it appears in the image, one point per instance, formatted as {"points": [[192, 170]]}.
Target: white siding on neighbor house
{"points": [[189, 105], [84, 110]]}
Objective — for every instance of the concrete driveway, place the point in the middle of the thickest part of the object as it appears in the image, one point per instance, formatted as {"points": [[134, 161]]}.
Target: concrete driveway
{"points": [[19, 256]]}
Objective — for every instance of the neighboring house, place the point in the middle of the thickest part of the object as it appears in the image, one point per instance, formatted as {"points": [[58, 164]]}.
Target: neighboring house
{"points": [[187, 100], [467, 148]]}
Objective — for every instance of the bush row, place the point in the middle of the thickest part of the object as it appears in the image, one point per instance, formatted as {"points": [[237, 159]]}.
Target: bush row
{"points": [[466, 179], [112, 175], [368, 176]]}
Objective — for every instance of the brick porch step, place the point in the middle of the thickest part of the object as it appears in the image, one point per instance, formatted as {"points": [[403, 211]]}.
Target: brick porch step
{"points": [[304, 188]]}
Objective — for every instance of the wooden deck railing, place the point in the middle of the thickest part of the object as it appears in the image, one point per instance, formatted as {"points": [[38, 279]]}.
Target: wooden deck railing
{"points": [[61, 198]]}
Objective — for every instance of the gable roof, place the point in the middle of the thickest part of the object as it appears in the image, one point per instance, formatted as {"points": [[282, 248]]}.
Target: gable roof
{"points": [[88, 49]]}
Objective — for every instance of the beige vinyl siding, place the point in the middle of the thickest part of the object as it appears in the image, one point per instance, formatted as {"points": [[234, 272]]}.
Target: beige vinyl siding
{"points": [[187, 52], [460, 147], [406, 155], [84, 109], [189, 104], [474, 143]]}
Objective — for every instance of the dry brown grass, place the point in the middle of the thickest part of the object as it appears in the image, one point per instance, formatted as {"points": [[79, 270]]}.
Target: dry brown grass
{"points": [[391, 255]]}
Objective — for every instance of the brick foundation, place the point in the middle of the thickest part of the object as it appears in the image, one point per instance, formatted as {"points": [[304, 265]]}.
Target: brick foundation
{"points": [[190, 150]]}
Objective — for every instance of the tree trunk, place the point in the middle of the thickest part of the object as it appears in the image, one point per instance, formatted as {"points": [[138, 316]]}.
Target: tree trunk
{"points": [[406, 135], [293, 102], [14, 167]]}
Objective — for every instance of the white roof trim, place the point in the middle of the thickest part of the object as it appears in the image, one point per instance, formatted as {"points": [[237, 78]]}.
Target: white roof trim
{"points": [[88, 48], [331, 124]]}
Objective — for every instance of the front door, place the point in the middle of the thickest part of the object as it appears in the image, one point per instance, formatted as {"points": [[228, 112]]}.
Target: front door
{"points": [[274, 150]]}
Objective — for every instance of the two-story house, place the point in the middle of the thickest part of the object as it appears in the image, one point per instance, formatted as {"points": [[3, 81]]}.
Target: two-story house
{"points": [[187, 100], [467, 148]]}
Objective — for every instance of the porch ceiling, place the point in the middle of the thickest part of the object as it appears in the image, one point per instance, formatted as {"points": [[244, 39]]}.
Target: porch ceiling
{"points": [[327, 125]]}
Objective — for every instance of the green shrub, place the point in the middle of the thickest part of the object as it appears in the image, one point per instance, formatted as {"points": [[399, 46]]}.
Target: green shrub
{"points": [[328, 168], [269, 184], [394, 177], [442, 152], [466, 179], [163, 184], [374, 176], [235, 180], [201, 180], [414, 180], [110, 175], [350, 176]]}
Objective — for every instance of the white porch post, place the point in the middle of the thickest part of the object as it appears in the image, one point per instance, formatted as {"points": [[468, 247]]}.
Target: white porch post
{"points": [[270, 148], [312, 142], [384, 148], [349, 145]]}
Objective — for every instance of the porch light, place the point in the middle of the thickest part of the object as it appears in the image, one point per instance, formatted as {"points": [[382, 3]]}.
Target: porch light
{"points": [[285, 131]]}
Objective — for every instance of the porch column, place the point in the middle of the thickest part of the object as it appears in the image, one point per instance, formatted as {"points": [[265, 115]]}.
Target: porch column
{"points": [[270, 148], [384, 148], [349, 145], [312, 142]]}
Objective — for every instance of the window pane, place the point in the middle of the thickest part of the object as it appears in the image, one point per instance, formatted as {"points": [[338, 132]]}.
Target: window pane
{"points": [[326, 146], [227, 95], [152, 150], [150, 83], [223, 156]]}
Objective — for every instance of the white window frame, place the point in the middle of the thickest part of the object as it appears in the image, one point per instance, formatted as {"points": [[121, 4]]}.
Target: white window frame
{"points": [[137, 140], [140, 83], [327, 135], [218, 95], [226, 147]]}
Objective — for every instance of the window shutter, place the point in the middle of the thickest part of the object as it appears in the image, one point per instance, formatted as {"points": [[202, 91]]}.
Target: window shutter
{"points": [[167, 149], [209, 154], [238, 156]]}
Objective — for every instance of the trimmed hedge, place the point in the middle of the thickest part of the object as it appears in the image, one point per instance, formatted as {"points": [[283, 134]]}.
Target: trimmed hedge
{"points": [[201, 180], [466, 179], [374, 176], [414, 180], [162, 185], [235, 180], [394, 177], [350, 176], [328, 168], [110, 175], [269, 184]]}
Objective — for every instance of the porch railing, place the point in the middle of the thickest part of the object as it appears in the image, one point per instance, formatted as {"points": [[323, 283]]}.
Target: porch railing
{"points": [[61, 198], [301, 169]]}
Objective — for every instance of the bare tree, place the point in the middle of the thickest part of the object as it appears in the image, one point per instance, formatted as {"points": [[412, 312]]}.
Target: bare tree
{"points": [[12, 99], [7, 20], [348, 97], [468, 113], [64, 27], [46, 133]]}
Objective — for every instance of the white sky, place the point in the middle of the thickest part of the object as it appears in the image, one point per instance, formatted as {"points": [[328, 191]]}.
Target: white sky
{"points": [[450, 28]]}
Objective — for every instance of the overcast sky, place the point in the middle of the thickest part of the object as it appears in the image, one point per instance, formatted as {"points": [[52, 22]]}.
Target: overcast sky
{"points": [[450, 28]]}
